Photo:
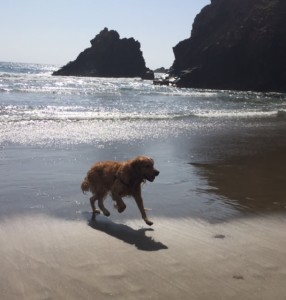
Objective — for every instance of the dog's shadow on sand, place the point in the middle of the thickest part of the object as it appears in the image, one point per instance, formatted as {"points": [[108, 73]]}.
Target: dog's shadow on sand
{"points": [[127, 234]]}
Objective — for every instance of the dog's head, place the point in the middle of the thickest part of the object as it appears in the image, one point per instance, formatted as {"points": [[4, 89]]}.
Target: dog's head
{"points": [[143, 167]]}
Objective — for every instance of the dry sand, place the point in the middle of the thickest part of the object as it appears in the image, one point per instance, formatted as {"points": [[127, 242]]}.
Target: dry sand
{"points": [[48, 258]]}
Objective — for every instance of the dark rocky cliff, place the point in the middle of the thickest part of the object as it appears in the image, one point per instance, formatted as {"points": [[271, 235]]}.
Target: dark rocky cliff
{"points": [[235, 44], [109, 56]]}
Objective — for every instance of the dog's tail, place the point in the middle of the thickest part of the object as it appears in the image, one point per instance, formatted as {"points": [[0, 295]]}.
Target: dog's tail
{"points": [[85, 185]]}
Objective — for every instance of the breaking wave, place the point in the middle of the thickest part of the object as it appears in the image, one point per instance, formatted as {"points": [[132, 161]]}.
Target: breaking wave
{"points": [[36, 107]]}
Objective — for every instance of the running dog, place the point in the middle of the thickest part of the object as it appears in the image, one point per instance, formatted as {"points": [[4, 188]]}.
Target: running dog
{"points": [[119, 179]]}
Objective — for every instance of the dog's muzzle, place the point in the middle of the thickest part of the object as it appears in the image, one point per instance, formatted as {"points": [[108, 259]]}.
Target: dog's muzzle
{"points": [[154, 175]]}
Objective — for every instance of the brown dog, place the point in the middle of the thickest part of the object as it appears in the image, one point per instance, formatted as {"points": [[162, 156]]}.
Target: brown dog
{"points": [[120, 179]]}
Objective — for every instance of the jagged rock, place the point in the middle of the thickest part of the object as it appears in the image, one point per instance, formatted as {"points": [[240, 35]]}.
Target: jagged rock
{"points": [[235, 44], [109, 56], [161, 70]]}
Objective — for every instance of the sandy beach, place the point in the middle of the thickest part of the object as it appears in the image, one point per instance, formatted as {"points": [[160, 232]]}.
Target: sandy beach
{"points": [[218, 208], [48, 258]]}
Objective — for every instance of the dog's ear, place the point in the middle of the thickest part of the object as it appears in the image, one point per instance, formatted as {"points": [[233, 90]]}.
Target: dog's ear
{"points": [[131, 172], [126, 174], [137, 166]]}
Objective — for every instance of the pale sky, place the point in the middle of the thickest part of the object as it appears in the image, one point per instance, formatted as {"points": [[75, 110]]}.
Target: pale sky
{"points": [[56, 31]]}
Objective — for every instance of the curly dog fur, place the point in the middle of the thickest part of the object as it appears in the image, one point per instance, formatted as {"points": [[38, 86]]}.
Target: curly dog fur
{"points": [[119, 179]]}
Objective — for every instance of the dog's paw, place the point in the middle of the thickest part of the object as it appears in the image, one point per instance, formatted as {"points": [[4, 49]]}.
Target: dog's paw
{"points": [[148, 222], [94, 214], [120, 209]]}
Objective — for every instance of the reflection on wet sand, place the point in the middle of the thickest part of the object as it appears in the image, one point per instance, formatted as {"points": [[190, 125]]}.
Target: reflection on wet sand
{"points": [[253, 183]]}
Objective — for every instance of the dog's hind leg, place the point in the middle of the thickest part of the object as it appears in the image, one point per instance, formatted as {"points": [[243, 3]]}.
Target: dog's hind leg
{"points": [[102, 207], [92, 203]]}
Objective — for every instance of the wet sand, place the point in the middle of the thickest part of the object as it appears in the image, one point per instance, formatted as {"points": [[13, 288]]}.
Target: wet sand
{"points": [[218, 208]]}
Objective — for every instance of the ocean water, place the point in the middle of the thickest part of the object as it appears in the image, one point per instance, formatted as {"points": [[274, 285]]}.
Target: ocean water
{"points": [[37, 108], [220, 153]]}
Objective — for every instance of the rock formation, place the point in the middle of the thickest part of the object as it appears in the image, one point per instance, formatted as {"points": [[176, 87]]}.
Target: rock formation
{"points": [[161, 70], [109, 56], [235, 44]]}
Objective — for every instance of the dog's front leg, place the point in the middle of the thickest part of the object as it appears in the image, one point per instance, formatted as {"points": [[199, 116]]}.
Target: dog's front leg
{"points": [[120, 205], [140, 205]]}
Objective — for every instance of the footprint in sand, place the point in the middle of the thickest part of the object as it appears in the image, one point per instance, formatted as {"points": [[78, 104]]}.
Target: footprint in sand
{"points": [[219, 236], [239, 277]]}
